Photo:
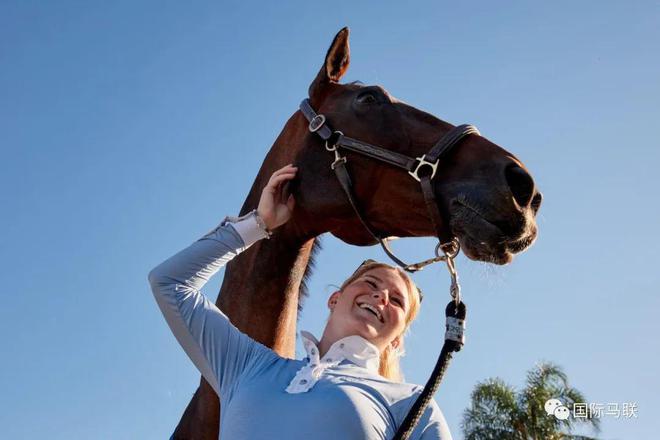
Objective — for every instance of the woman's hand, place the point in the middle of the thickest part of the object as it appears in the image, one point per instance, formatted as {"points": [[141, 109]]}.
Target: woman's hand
{"points": [[275, 207]]}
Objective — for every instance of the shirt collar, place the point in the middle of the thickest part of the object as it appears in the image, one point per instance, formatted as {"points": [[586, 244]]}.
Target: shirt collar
{"points": [[353, 348]]}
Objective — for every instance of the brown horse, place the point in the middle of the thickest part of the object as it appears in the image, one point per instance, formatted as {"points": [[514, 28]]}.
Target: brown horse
{"points": [[488, 200]]}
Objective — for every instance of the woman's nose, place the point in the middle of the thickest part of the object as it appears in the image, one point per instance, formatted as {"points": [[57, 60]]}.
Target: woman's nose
{"points": [[381, 295]]}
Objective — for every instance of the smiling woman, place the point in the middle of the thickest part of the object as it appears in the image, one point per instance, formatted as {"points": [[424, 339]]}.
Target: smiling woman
{"points": [[382, 291], [348, 386]]}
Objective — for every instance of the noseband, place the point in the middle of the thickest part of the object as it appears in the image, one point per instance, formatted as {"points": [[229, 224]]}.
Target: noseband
{"points": [[427, 162], [455, 311]]}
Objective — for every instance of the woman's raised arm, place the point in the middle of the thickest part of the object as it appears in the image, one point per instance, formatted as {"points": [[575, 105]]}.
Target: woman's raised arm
{"points": [[217, 348]]}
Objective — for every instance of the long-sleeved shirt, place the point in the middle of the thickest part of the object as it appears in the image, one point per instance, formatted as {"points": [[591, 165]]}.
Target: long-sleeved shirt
{"points": [[266, 396]]}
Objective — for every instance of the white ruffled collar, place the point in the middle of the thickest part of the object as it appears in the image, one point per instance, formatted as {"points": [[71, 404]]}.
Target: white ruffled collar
{"points": [[353, 348]]}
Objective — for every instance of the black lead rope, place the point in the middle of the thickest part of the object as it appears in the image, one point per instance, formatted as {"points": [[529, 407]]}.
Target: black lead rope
{"points": [[454, 340]]}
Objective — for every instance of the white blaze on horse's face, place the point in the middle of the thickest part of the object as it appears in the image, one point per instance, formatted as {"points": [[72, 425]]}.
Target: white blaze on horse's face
{"points": [[373, 306]]}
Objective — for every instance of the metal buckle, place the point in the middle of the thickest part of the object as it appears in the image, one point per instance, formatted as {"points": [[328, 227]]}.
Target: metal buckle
{"points": [[449, 249], [338, 159], [316, 123], [422, 161]]}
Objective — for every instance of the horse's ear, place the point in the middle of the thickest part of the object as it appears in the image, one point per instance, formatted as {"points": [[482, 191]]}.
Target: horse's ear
{"points": [[334, 67]]}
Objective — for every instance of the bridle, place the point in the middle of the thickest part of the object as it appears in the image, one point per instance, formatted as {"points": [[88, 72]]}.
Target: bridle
{"points": [[446, 250], [334, 140]]}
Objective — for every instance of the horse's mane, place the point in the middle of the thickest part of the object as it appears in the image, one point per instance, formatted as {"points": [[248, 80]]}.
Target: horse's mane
{"points": [[304, 292]]}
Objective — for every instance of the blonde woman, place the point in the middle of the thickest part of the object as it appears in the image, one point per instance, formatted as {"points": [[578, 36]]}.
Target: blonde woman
{"points": [[347, 387]]}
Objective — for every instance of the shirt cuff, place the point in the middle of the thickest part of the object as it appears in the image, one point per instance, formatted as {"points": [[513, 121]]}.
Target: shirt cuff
{"points": [[247, 227]]}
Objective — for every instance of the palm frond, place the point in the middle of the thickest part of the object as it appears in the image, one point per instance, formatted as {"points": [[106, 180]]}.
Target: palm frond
{"points": [[493, 412], [499, 412]]}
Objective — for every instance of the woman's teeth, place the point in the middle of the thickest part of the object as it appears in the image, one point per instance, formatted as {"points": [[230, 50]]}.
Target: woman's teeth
{"points": [[372, 309]]}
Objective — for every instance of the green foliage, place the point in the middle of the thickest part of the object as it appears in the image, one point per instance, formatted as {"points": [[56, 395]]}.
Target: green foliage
{"points": [[499, 412]]}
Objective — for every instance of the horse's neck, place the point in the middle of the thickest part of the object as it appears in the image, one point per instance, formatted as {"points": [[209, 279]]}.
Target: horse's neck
{"points": [[261, 288]]}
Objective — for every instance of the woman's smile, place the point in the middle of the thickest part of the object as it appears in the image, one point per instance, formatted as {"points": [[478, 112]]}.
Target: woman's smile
{"points": [[371, 311]]}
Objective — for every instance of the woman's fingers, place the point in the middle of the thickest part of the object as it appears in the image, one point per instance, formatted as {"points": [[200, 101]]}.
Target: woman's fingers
{"points": [[281, 175], [277, 181], [284, 169], [275, 207], [286, 173], [281, 190]]}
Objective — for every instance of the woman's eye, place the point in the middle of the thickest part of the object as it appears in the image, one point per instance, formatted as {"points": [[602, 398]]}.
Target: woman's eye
{"points": [[371, 283]]}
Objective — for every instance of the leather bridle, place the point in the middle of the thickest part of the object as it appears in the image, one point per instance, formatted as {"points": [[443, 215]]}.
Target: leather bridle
{"points": [[455, 312], [334, 140]]}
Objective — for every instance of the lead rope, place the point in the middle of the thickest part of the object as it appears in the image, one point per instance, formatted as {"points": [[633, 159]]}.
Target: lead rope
{"points": [[455, 314]]}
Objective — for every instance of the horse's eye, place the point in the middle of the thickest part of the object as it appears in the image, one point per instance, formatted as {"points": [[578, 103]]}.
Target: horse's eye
{"points": [[366, 98]]}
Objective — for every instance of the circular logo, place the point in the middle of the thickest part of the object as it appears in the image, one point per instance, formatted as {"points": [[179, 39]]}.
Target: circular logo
{"points": [[551, 405], [562, 413]]}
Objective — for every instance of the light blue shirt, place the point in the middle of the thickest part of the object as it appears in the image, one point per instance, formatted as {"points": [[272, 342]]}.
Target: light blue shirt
{"points": [[266, 396]]}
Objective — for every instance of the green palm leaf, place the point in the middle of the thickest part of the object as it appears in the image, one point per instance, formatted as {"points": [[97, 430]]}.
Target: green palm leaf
{"points": [[499, 412]]}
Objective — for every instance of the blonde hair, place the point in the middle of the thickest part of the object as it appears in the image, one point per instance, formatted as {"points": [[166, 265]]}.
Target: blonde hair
{"points": [[389, 362]]}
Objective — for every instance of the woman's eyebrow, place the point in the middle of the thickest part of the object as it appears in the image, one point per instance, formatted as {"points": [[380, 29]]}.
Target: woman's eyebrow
{"points": [[375, 277]]}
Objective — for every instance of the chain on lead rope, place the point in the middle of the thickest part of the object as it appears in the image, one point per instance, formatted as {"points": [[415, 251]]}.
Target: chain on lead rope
{"points": [[455, 314], [455, 311]]}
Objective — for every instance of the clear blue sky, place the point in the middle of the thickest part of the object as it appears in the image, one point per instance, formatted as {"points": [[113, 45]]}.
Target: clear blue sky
{"points": [[121, 127]]}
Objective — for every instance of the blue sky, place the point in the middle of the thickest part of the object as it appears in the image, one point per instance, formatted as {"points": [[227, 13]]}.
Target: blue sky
{"points": [[121, 126]]}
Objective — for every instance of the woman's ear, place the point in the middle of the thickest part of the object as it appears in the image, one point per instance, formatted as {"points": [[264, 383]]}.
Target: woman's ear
{"points": [[332, 301], [396, 343]]}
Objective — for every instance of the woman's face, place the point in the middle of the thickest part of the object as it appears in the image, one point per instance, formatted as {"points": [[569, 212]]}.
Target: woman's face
{"points": [[374, 306]]}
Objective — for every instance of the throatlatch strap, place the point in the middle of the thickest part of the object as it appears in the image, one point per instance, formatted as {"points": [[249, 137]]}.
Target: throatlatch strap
{"points": [[345, 182]]}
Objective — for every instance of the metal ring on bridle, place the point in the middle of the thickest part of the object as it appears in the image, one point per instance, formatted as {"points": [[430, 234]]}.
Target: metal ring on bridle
{"points": [[423, 162], [339, 159], [334, 146], [449, 249]]}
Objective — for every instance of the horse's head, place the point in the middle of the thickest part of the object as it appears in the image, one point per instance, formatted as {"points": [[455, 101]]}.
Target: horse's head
{"points": [[485, 195]]}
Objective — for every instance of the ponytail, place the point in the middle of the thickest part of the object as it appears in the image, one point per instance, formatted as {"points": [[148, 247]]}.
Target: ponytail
{"points": [[389, 365]]}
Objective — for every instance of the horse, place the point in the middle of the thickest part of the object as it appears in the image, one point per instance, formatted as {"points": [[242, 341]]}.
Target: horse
{"points": [[487, 200]]}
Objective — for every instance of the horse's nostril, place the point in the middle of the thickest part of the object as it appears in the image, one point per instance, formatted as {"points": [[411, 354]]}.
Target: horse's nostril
{"points": [[520, 183], [536, 202]]}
